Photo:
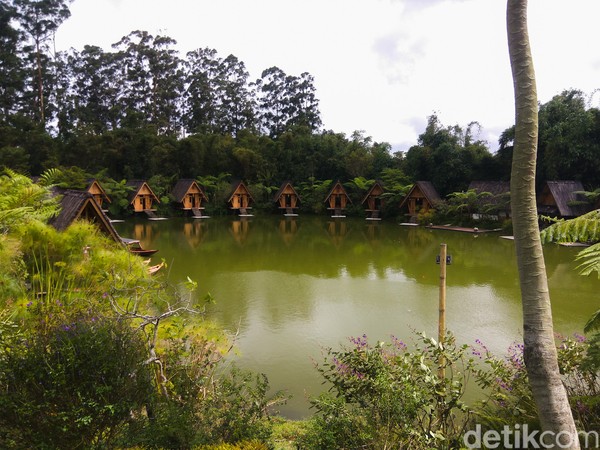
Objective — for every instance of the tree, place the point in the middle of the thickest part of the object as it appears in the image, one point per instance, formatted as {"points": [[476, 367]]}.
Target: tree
{"points": [[538, 334], [284, 101], [11, 72], [40, 19], [152, 80]]}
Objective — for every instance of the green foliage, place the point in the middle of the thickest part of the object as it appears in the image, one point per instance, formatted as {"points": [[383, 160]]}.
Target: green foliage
{"points": [[118, 192], [216, 189], [23, 201], [585, 228], [243, 445], [590, 260], [72, 385], [313, 193], [46, 250], [12, 271], [508, 395], [385, 396], [207, 408]]}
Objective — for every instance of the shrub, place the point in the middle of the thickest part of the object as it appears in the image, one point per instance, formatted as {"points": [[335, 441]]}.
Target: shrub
{"points": [[70, 386], [385, 396], [509, 399]]}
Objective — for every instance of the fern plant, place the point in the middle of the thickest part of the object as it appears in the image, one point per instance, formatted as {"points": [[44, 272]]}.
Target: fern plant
{"points": [[22, 201], [585, 228]]}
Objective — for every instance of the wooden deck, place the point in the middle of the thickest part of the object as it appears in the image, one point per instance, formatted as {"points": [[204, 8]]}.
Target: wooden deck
{"points": [[474, 230]]}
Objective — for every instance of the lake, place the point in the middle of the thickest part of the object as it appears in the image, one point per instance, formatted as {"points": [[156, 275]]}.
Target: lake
{"points": [[296, 285]]}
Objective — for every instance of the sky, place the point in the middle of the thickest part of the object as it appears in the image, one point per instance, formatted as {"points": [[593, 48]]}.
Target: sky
{"points": [[379, 66]]}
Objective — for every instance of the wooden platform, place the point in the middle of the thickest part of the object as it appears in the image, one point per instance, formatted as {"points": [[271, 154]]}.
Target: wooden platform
{"points": [[474, 230], [573, 244]]}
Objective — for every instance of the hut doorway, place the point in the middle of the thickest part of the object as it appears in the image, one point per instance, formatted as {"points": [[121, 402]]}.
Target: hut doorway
{"points": [[192, 201], [338, 201]]}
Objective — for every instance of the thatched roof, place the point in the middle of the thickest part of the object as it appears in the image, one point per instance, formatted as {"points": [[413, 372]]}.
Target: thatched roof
{"points": [[78, 204], [428, 191], [493, 187], [284, 185], [378, 185], [336, 185], [238, 186], [499, 191], [558, 197], [138, 185], [183, 186]]}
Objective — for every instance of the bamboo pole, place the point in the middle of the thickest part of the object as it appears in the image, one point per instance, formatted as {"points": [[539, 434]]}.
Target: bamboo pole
{"points": [[442, 307]]}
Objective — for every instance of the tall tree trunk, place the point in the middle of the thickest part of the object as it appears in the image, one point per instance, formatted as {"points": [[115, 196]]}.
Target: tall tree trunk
{"points": [[538, 333], [40, 81]]}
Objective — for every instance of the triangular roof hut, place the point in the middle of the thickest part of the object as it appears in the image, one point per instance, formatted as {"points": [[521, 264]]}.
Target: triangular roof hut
{"points": [[287, 198], [76, 205], [421, 197], [239, 198], [373, 201], [337, 199], [97, 192], [141, 197], [559, 199], [189, 194], [499, 198]]}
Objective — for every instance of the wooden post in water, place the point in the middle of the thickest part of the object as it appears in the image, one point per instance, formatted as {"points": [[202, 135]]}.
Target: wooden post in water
{"points": [[442, 307]]}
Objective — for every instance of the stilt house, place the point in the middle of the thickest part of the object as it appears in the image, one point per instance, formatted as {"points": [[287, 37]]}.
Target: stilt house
{"points": [[421, 198], [240, 198], [287, 199], [141, 198], [76, 205], [497, 203], [373, 201], [190, 196], [98, 193], [560, 199], [337, 200]]}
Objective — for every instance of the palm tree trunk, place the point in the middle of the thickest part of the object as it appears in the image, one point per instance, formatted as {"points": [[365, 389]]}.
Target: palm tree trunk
{"points": [[538, 333]]}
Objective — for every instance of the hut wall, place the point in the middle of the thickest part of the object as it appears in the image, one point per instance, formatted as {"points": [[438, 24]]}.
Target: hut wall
{"points": [[240, 200], [142, 203], [418, 202], [97, 193], [192, 200]]}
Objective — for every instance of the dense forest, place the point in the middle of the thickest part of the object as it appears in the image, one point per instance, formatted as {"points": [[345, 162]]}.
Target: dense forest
{"points": [[142, 109]]}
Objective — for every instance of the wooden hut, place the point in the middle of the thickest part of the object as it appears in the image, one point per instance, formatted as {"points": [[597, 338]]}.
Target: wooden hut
{"points": [[190, 195], [559, 199], [421, 198], [141, 198], [76, 205], [98, 192], [373, 201], [240, 199], [287, 199], [498, 202], [337, 200]]}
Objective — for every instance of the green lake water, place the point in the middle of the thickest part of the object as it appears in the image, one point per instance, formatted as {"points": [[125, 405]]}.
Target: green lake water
{"points": [[295, 285]]}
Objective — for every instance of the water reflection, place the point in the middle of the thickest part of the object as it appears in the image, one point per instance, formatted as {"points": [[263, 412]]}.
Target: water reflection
{"points": [[337, 230], [288, 227], [240, 229], [294, 285], [145, 232], [194, 232]]}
